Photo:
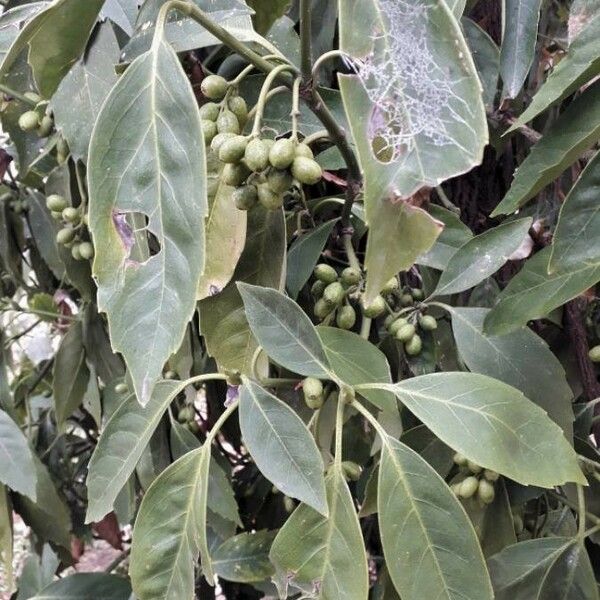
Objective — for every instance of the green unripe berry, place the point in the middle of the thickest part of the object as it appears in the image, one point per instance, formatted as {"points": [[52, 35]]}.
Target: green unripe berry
{"points": [[459, 459], [46, 126], [75, 252], [29, 121], [288, 504], [414, 346], [268, 198], [65, 236], [214, 87], [417, 293], [279, 180], [304, 150], [322, 309], [237, 105], [70, 214], [186, 414], [474, 467], [405, 332], [245, 197], [312, 389], [485, 491], [56, 203], [33, 96], [326, 273], [210, 111], [346, 317], [257, 155], [427, 323], [396, 325], [86, 249], [56, 215], [390, 286], [235, 175], [318, 287], [334, 293], [209, 131], [281, 154], [594, 354], [375, 309], [468, 487], [121, 388], [455, 487], [490, 475], [406, 300], [351, 470], [306, 170], [219, 140], [232, 150], [350, 276], [227, 123]]}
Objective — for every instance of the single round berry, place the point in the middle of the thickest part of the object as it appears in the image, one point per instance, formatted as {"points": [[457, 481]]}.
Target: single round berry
{"points": [[75, 252], [121, 388], [210, 111], [65, 236], [405, 332], [306, 170], [390, 286], [427, 323], [56, 203], [345, 317], [29, 121], [318, 287], [326, 273], [414, 346], [86, 249], [350, 276], [406, 300], [219, 140], [237, 105], [468, 487], [71, 215], [594, 354], [485, 491], [227, 123], [233, 149], [397, 324], [417, 293], [209, 131], [257, 155], [490, 475], [214, 87], [46, 126], [312, 389], [322, 309], [268, 198], [375, 309], [245, 197], [460, 459], [334, 293], [281, 154], [351, 470]]}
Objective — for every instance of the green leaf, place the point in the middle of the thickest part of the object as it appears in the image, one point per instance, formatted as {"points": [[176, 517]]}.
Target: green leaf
{"points": [[64, 26], [284, 331], [304, 254], [493, 425], [266, 12], [454, 235], [425, 120], [520, 358], [245, 557], [13, 20], [481, 257], [82, 92], [121, 12], [70, 374], [120, 446], [223, 321], [355, 360], [543, 569], [398, 234], [225, 238], [324, 553], [170, 531], [17, 459], [581, 64], [428, 446], [576, 129], [6, 537], [520, 25], [429, 543], [533, 293], [83, 586], [282, 446], [38, 572], [576, 241], [147, 156]]}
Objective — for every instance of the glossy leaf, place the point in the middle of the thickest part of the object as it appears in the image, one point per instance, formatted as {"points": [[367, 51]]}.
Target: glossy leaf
{"points": [[81, 93], [576, 129], [284, 330], [543, 569], [327, 553], [429, 543], [354, 360], [520, 27], [170, 531], [520, 358], [581, 64], [282, 446], [576, 241], [18, 466], [81, 586], [493, 425], [533, 293], [147, 157], [245, 557], [121, 444], [70, 374], [69, 21], [481, 257], [304, 255], [223, 321]]}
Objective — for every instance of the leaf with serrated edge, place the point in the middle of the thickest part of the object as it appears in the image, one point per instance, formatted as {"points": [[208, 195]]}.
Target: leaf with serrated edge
{"points": [[481, 257], [492, 424], [281, 445], [284, 331], [326, 553], [147, 156], [430, 546]]}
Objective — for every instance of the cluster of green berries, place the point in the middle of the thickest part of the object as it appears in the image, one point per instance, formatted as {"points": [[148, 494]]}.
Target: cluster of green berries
{"points": [[478, 482], [405, 329], [594, 354], [187, 417], [331, 292], [74, 221], [262, 170], [38, 120]]}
